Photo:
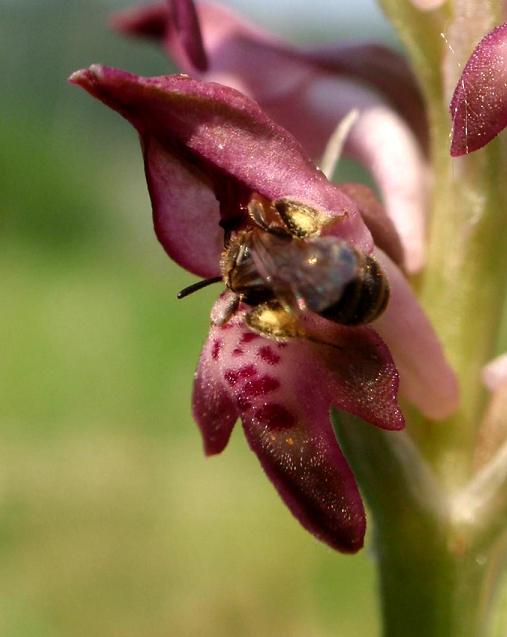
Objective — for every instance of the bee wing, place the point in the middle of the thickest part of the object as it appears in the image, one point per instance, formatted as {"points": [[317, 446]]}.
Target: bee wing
{"points": [[305, 274]]}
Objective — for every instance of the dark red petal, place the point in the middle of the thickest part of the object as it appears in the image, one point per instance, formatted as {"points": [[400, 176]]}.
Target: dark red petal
{"points": [[185, 212], [230, 40], [311, 475], [148, 21], [479, 104], [226, 131], [213, 407], [355, 373], [187, 26]]}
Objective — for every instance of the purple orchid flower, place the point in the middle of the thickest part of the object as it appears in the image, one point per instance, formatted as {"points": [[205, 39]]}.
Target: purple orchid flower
{"points": [[209, 151], [308, 91], [479, 104]]}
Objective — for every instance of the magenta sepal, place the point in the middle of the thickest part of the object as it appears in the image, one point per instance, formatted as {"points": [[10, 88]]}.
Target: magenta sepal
{"points": [[479, 104]]}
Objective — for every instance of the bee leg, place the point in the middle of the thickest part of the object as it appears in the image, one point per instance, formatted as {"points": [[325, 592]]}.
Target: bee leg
{"points": [[257, 213], [225, 310], [262, 213], [273, 320], [279, 323]]}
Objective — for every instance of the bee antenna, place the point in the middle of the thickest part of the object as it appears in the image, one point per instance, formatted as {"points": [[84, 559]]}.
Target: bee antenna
{"points": [[198, 286]]}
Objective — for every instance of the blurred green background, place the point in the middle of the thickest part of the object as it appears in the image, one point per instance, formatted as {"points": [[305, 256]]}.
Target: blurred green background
{"points": [[112, 522]]}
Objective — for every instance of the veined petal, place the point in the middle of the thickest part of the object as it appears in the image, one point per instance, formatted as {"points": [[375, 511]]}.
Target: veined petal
{"points": [[284, 392], [479, 104], [426, 378], [227, 135]]}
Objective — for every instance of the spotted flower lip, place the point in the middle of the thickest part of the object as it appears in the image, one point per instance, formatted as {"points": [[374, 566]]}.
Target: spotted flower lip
{"points": [[309, 90], [208, 150], [479, 104]]}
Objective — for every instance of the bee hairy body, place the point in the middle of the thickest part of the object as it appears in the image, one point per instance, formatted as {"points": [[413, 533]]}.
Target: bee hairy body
{"points": [[323, 274], [363, 299]]}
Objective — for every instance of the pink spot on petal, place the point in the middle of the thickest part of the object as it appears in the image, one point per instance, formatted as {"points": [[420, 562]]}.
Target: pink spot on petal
{"points": [[275, 417], [268, 355], [261, 386], [237, 351]]}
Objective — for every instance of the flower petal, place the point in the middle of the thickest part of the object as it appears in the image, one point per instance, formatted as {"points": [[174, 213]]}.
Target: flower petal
{"points": [[494, 374], [426, 378], [382, 68], [479, 104], [213, 408], [234, 45], [185, 212], [377, 221], [493, 429], [148, 21], [189, 31], [309, 91], [381, 141], [295, 445], [427, 5], [227, 135]]}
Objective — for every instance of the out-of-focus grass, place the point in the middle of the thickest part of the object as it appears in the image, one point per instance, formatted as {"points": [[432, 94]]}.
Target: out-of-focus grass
{"points": [[111, 520]]}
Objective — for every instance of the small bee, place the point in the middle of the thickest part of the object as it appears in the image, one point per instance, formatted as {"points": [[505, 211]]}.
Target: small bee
{"points": [[281, 267]]}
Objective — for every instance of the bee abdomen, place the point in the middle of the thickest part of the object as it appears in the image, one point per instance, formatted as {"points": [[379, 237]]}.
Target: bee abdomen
{"points": [[363, 299]]}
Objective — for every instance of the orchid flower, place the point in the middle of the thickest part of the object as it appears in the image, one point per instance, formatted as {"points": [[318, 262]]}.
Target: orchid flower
{"points": [[310, 90], [219, 164], [209, 151]]}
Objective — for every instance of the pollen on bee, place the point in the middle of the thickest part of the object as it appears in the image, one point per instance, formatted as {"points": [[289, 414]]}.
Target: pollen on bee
{"points": [[302, 220], [271, 319]]}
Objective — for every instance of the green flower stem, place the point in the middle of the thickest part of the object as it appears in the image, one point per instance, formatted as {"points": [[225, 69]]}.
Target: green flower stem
{"points": [[437, 575], [462, 289], [462, 286], [438, 522]]}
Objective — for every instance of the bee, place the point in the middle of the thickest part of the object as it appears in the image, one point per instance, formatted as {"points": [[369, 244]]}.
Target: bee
{"points": [[281, 267]]}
